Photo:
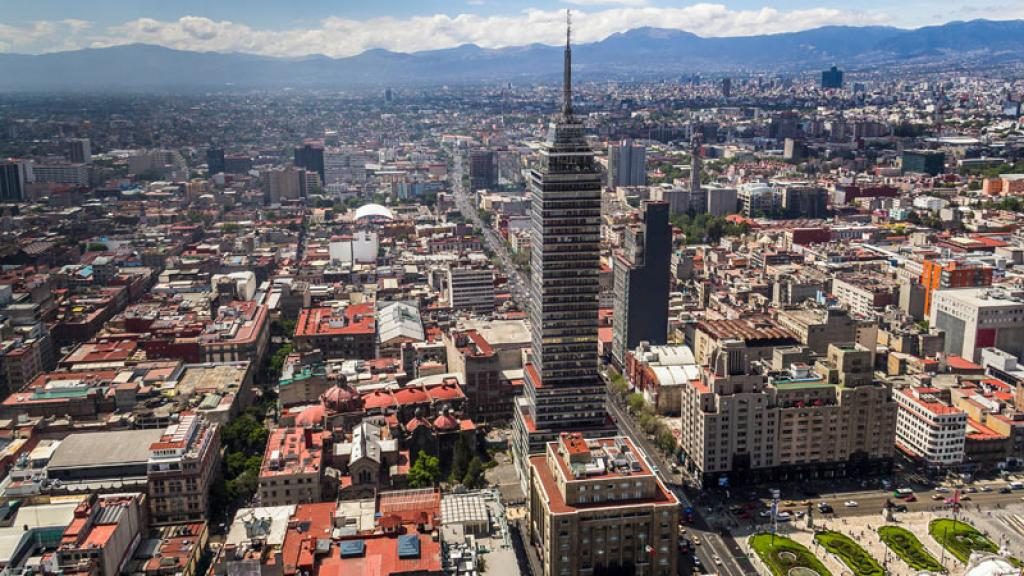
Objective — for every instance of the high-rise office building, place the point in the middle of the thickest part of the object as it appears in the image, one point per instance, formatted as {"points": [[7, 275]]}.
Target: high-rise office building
{"points": [[79, 151], [12, 181], [311, 157], [563, 390], [215, 161], [698, 197], [726, 87], [282, 184], [483, 171], [642, 282], [627, 164], [832, 78]]}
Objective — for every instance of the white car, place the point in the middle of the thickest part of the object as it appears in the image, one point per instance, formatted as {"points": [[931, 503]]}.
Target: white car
{"points": [[718, 561], [851, 504]]}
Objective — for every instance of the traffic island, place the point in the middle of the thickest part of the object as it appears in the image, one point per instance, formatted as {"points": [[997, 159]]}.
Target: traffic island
{"points": [[904, 544], [786, 557], [855, 557]]}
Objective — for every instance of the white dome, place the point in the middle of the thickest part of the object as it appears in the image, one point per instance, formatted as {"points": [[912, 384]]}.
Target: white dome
{"points": [[374, 211]]}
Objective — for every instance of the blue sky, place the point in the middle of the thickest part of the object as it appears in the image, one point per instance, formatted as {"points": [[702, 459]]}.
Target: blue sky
{"points": [[345, 27]]}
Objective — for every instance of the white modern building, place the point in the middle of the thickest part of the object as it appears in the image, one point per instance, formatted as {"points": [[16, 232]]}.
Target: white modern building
{"points": [[928, 428], [976, 318], [362, 246]]}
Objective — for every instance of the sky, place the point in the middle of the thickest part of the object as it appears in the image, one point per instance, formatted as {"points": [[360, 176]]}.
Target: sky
{"points": [[339, 28]]}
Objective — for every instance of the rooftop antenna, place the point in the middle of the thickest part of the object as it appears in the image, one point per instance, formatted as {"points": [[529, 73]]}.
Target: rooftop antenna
{"points": [[567, 73]]}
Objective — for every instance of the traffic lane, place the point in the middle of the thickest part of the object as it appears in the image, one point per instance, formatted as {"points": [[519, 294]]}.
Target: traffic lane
{"points": [[873, 503]]}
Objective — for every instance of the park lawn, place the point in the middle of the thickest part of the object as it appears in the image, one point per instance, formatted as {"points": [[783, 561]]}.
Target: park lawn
{"points": [[780, 565], [857, 558], [904, 544], [960, 538]]}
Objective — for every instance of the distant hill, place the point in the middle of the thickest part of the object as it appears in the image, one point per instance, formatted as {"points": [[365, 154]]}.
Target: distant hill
{"points": [[639, 53]]}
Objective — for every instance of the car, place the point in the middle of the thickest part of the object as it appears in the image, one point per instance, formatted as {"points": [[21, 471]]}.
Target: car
{"points": [[899, 508], [1005, 490], [965, 498], [851, 504], [911, 498], [783, 516], [696, 541], [718, 561], [938, 497], [986, 488], [696, 562], [804, 503], [941, 489], [825, 508], [971, 490]]}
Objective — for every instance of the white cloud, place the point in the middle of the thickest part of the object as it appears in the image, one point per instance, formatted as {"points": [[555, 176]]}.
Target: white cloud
{"points": [[336, 36], [607, 2]]}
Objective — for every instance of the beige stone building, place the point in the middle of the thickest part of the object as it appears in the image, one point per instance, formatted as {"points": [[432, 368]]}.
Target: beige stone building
{"points": [[596, 506], [787, 420]]}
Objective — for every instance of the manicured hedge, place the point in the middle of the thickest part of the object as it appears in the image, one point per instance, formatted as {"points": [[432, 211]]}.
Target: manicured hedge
{"points": [[904, 544], [850, 553], [769, 552], [960, 538]]}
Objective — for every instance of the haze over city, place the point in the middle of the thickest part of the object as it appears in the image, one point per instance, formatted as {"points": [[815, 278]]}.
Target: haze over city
{"points": [[516, 288]]}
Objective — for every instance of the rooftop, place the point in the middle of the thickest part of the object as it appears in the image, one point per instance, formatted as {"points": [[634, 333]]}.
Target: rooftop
{"points": [[98, 449]]}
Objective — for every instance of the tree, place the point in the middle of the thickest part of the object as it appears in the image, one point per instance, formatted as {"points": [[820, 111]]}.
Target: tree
{"points": [[635, 401], [474, 474], [96, 247], [277, 360], [460, 460], [425, 471]]}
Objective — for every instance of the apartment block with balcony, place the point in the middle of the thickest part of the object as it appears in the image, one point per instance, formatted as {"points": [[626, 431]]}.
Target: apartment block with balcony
{"points": [[182, 466]]}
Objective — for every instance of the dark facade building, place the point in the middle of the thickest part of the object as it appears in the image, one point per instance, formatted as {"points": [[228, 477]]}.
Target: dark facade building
{"points": [[215, 160], [642, 282], [563, 388], [12, 182], [726, 87], [483, 172], [805, 202], [924, 161], [79, 151], [311, 157], [832, 79], [237, 164]]}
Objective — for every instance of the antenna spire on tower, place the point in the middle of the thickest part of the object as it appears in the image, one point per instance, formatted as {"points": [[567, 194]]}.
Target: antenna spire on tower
{"points": [[567, 72]]}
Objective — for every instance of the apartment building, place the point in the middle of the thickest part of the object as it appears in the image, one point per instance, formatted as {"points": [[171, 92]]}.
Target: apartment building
{"points": [[928, 428], [787, 420], [596, 507], [182, 466]]}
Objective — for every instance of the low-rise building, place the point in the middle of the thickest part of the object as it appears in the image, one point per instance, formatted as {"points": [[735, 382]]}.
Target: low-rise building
{"points": [[929, 429], [292, 470]]}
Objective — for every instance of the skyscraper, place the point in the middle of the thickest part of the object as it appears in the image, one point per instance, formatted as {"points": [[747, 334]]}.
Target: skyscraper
{"points": [[627, 165], [12, 182], [698, 197], [215, 161], [79, 151], [563, 389], [726, 87], [832, 78], [642, 281], [311, 157], [483, 172]]}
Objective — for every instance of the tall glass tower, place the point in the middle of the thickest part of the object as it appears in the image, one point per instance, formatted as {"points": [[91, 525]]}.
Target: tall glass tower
{"points": [[563, 389]]}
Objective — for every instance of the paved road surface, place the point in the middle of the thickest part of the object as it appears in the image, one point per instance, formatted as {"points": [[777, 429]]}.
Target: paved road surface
{"points": [[518, 286], [734, 561]]}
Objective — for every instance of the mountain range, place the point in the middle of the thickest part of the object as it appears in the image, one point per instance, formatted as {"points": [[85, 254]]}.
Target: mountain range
{"points": [[635, 54]]}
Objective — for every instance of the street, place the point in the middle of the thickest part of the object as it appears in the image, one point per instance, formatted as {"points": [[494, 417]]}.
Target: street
{"points": [[517, 284], [713, 543]]}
